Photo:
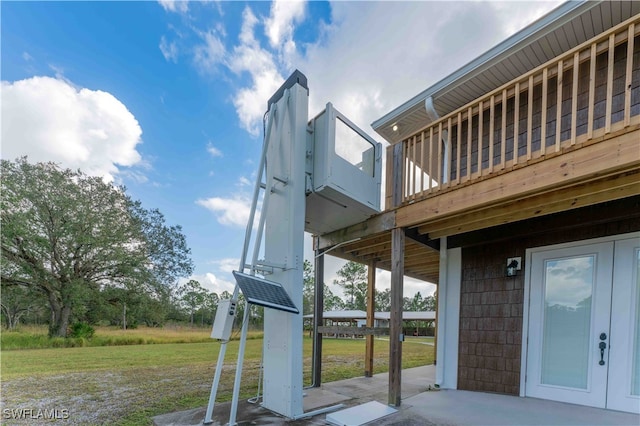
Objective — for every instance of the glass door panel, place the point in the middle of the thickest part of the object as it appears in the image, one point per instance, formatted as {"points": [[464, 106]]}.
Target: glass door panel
{"points": [[570, 302], [568, 288]]}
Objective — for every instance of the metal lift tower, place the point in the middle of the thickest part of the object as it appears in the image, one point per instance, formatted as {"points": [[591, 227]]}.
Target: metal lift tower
{"points": [[309, 185]]}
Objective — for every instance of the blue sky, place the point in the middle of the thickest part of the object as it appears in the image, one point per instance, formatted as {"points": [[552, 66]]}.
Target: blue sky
{"points": [[167, 97]]}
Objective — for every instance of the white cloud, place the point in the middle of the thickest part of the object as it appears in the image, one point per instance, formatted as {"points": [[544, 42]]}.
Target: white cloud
{"points": [[243, 181], [372, 57], [178, 6], [280, 25], [209, 55], [514, 17], [26, 56], [227, 265], [215, 152], [229, 211], [249, 56], [169, 50], [49, 119], [211, 282]]}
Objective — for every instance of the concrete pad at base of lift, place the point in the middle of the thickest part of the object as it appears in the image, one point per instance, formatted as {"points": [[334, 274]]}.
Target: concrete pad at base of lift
{"points": [[360, 414]]}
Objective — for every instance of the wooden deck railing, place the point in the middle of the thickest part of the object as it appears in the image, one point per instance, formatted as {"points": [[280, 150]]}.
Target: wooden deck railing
{"points": [[587, 94]]}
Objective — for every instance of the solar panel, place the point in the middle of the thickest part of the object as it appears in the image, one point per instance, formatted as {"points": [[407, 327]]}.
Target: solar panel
{"points": [[269, 294]]}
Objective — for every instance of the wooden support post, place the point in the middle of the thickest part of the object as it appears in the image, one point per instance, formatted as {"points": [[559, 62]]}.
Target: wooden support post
{"points": [[371, 308], [318, 321], [397, 183], [404, 169], [388, 186], [395, 321]]}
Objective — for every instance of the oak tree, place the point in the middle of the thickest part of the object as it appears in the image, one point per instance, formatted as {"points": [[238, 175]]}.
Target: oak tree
{"points": [[66, 235]]}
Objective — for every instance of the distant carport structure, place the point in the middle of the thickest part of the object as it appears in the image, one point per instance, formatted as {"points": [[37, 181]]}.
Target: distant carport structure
{"points": [[358, 318], [413, 322], [340, 322], [352, 323]]}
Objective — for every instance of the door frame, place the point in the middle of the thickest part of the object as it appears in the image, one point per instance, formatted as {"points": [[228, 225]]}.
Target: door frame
{"points": [[527, 291]]}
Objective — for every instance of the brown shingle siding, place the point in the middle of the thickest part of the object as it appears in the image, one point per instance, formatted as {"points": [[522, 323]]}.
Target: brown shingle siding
{"points": [[487, 310], [491, 305]]}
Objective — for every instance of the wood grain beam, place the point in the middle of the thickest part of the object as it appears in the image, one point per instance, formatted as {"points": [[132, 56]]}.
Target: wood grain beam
{"points": [[370, 227], [569, 198]]}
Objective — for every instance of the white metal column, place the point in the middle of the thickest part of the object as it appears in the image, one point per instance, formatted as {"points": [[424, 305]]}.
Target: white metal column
{"points": [[284, 235]]}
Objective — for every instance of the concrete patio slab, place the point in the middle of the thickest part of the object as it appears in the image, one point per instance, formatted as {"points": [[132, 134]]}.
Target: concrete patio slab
{"points": [[422, 405], [456, 407]]}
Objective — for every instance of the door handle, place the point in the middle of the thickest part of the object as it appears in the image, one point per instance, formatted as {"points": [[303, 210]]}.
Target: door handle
{"points": [[602, 346]]}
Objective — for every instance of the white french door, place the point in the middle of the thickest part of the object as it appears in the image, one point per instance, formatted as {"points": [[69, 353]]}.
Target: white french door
{"points": [[583, 336], [623, 391]]}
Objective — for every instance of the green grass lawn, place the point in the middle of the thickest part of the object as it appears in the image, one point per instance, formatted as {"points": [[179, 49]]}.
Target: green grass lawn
{"points": [[130, 384], [35, 337]]}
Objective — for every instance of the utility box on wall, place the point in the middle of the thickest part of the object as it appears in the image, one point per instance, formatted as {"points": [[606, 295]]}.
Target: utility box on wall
{"points": [[344, 173]]}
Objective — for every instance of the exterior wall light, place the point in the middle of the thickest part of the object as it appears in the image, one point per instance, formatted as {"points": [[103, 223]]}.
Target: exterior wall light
{"points": [[513, 266]]}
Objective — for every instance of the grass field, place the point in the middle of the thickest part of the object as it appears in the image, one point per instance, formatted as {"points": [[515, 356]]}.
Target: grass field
{"points": [[129, 384], [34, 337]]}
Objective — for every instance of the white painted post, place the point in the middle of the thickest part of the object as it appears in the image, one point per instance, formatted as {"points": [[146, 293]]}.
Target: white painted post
{"points": [[442, 297]]}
